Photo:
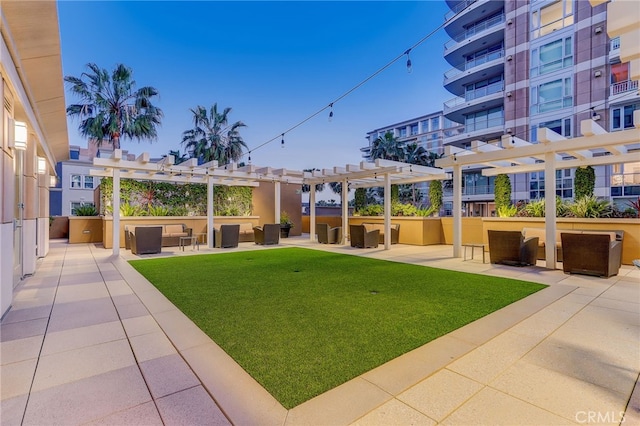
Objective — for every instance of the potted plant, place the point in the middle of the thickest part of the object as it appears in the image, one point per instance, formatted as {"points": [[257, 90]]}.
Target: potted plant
{"points": [[285, 224]]}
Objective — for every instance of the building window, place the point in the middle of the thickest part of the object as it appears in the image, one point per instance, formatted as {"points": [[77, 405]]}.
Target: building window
{"points": [[483, 88], [622, 117], [435, 123], [551, 18], [551, 96], [485, 55], [414, 129], [564, 184], [402, 132], [484, 119], [619, 72], [76, 204], [552, 56], [560, 126], [81, 182]]}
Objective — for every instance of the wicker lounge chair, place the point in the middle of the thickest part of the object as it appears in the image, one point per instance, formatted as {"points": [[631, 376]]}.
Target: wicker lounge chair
{"points": [[227, 236], [327, 234], [591, 254], [146, 239], [267, 234], [510, 248], [361, 238]]}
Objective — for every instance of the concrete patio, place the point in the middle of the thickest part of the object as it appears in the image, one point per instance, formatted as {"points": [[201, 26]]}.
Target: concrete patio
{"points": [[89, 341]]}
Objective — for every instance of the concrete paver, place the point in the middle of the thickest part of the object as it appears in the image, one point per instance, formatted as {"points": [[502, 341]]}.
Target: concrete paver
{"points": [[90, 341]]}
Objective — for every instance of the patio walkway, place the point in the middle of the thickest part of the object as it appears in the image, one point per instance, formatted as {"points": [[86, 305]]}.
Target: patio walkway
{"points": [[89, 341]]}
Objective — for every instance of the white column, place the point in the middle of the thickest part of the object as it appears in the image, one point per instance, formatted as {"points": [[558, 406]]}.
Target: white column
{"points": [[312, 213], [210, 212], [345, 210], [387, 211], [550, 209], [116, 211], [457, 211], [276, 202]]}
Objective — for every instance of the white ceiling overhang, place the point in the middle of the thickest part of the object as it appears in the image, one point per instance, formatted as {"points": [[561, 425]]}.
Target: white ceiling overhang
{"points": [[514, 155]]}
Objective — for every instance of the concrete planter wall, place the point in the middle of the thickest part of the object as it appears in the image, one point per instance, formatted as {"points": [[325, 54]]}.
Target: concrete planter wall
{"points": [[420, 231], [85, 229]]}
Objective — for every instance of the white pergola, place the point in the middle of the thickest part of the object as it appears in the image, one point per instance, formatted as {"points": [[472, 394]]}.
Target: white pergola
{"points": [[210, 174], [553, 152], [379, 173], [382, 173]]}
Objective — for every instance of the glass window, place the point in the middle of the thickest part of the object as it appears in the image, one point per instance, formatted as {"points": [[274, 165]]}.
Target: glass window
{"points": [[435, 123], [425, 126], [622, 117], [552, 95], [483, 119], [76, 204], [552, 56], [76, 181], [88, 182], [552, 17], [414, 129], [402, 132]]}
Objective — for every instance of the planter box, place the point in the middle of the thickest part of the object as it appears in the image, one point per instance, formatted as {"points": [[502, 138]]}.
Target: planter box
{"points": [[85, 229]]}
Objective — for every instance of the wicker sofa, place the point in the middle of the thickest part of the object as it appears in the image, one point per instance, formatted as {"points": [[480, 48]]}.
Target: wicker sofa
{"points": [[541, 234], [245, 234], [395, 231], [361, 238], [171, 233], [145, 239], [512, 248]]}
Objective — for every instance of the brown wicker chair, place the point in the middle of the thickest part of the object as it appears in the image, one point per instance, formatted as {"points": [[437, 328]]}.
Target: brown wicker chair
{"points": [[327, 234], [267, 234], [146, 239], [510, 248], [226, 236], [591, 254], [361, 238]]}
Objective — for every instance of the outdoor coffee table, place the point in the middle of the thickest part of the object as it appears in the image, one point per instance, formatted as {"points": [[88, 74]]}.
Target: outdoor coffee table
{"points": [[191, 240], [473, 246]]}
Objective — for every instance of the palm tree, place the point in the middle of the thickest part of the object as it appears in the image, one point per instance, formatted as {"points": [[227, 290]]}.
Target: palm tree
{"points": [[307, 188], [178, 158], [111, 107], [212, 137], [387, 147]]}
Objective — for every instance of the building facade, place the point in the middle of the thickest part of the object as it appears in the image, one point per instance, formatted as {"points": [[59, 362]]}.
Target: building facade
{"points": [[518, 66], [34, 135]]}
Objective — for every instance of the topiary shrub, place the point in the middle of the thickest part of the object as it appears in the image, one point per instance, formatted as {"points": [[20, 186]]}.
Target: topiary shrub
{"points": [[360, 199], [502, 191], [435, 195], [584, 182]]}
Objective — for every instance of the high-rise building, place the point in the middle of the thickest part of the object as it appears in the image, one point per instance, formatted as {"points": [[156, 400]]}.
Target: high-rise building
{"points": [[519, 65]]}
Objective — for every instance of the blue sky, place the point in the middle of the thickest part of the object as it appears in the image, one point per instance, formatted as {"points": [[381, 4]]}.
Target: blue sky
{"points": [[273, 63]]}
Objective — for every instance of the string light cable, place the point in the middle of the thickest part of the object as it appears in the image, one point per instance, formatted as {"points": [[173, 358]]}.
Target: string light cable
{"points": [[363, 82]]}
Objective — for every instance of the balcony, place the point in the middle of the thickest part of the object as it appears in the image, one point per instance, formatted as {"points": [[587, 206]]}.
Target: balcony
{"points": [[471, 190], [481, 98], [623, 86], [474, 31], [457, 78], [458, 8]]}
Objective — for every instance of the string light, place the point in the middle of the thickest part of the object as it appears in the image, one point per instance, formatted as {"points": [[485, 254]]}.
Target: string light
{"points": [[249, 157], [409, 65], [282, 141], [331, 111]]}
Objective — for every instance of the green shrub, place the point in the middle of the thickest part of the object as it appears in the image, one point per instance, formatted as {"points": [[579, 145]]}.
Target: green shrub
{"points": [[372, 210], [435, 195], [402, 209], [178, 211], [158, 211], [584, 182], [502, 191], [590, 206], [507, 211], [428, 211], [86, 210], [360, 199], [127, 209]]}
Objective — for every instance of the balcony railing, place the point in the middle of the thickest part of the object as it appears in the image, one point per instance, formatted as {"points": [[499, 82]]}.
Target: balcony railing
{"points": [[458, 8], [615, 44], [484, 124], [476, 29], [623, 86], [471, 190], [478, 60], [474, 94]]}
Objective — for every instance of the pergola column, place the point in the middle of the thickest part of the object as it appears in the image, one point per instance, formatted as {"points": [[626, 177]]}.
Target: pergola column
{"points": [[116, 211], [387, 211], [276, 202], [312, 213], [457, 210], [550, 209], [345, 210], [210, 187]]}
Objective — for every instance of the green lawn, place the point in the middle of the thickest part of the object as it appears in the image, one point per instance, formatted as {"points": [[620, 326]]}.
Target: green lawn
{"points": [[302, 321]]}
